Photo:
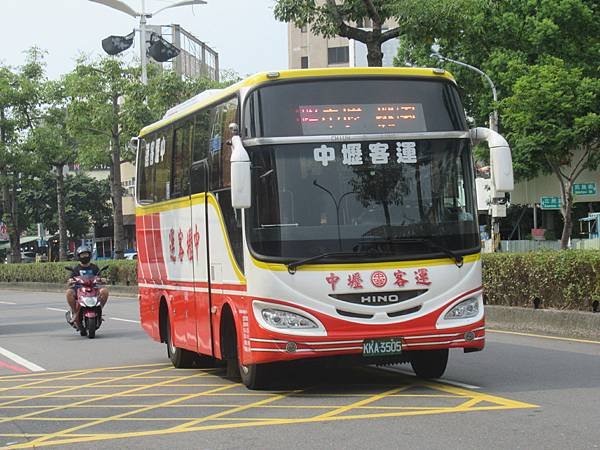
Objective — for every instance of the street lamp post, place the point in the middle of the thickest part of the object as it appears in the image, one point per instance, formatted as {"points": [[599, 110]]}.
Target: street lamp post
{"points": [[493, 119], [143, 15], [435, 48]]}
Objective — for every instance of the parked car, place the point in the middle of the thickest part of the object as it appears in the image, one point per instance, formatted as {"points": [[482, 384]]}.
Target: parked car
{"points": [[132, 255], [27, 257]]}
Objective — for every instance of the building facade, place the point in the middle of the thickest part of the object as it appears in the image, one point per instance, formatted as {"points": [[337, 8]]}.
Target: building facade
{"points": [[308, 50], [196, 58]]}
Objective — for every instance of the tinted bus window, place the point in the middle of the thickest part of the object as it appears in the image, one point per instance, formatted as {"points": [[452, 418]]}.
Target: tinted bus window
{"points": [[181, 160], [220, 149], [145, 175], [201, 134], [161, 154]]}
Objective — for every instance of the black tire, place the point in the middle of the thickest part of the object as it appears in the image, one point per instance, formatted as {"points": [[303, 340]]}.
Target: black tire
{"points": [[180, 358], [91, 327], [429, 363], [255, 376]]}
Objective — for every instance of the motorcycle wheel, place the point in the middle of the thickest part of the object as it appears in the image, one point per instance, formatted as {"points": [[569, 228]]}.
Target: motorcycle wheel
{"points": [[91, 326]]}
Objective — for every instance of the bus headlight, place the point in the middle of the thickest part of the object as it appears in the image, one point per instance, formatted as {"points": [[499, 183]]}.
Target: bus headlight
{"points": [[286, 319], [464, 310]]}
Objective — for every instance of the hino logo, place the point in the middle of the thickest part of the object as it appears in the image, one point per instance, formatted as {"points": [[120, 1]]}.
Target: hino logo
{"points": [[389, 298]]}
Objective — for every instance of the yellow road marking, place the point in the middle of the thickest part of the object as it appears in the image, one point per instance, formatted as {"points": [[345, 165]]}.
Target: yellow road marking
{"points": [[558, 338], [57, 408], [366, 401], [237, 409], [131, 368], [220, 421], [122, 415]]}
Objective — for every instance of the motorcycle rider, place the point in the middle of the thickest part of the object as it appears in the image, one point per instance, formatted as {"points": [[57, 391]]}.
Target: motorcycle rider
{"points": [[85, 267]]}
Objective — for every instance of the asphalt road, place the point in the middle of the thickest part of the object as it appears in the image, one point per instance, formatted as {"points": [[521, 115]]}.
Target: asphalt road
{"points": [[118, 391]]}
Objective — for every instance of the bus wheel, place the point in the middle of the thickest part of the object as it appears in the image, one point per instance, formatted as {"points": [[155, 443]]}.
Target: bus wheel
{"points": [[180, 358], [429, 363], [254, 376]]}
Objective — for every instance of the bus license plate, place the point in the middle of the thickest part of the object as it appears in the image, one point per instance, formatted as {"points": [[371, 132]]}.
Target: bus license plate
{"points": [[382, 347]]}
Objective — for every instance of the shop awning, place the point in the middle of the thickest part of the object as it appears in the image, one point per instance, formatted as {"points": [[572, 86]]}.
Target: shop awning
{"points": [[24, 240]]}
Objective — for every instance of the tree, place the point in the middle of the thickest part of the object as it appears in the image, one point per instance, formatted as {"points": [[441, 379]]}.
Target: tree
{"points": [[107, 104], [86, 203], [55, 149], [554, 120], [330, 18], [97, 92], [21, 97], [512, 41]]}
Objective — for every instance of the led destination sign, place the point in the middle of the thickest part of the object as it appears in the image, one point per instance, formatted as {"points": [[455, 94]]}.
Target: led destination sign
{"points": [[361, 118]]}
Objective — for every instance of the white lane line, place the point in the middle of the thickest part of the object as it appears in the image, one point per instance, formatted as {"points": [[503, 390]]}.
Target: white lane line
{"points": [[21, 361], [110, 318], [124, 320], [438, 380], [8, 303]]}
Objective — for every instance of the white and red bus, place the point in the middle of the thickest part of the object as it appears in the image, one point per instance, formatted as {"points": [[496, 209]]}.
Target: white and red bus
{"points": [[314, 213]]}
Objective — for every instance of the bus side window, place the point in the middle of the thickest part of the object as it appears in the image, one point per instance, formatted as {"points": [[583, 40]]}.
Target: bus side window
{"points": [[220, 151], [201, 135], [162, 162], [181, 160], [233, 224], [200, 142], [199, 176], [145, 173]]}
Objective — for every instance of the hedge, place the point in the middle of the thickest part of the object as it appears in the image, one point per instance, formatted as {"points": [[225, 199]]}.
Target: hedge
{"points": [[568, 279], [119, 272]]}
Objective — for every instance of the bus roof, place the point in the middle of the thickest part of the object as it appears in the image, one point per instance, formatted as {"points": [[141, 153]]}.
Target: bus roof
{"points": [[214, 95]]}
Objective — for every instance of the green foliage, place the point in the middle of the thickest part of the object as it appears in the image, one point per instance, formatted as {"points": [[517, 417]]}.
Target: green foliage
{"points": [[86, 199], [567, 279], [552, 113], [119, 272]]}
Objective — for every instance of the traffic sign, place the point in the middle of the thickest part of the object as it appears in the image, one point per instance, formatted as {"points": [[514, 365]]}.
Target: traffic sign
{"points": [[550, 203], [584, 189]]}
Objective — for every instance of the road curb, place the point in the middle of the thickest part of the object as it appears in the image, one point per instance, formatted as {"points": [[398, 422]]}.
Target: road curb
{"points": [[115, 290], [574, 324]]}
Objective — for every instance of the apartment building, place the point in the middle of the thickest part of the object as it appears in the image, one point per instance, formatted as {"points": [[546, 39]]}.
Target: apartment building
{"points": [[308, 50]]}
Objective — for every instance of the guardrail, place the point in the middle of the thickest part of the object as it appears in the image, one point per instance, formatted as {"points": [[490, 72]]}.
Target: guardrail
{"points": [[532, 245]]}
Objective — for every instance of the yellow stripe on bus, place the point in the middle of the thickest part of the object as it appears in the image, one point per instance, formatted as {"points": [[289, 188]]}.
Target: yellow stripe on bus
{"points": [[186, 202], [266, 77]]}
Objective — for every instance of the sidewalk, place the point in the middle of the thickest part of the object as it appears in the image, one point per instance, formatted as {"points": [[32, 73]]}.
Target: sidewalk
{"points": [[573, 324]]}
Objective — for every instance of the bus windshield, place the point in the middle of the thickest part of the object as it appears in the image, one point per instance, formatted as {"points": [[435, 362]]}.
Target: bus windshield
{"points": [[383, 197]]}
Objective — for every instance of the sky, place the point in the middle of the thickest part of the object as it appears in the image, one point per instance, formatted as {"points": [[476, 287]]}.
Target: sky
{"points": [[244, 32]]}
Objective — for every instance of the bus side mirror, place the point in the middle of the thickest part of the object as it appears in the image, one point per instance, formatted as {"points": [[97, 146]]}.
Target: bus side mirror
{"points": [[133, 144], [501, 169], [240, 175]]}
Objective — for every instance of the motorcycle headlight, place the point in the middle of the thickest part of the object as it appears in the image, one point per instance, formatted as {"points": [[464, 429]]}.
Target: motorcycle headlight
{"points": [[286, 319], [464, 310], [90, 301]]}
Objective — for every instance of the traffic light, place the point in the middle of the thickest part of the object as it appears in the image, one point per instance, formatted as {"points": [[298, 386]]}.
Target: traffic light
{"points": [[160, 49], [117, 44]]}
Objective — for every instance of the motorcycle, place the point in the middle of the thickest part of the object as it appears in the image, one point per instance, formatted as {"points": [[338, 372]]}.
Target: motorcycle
{"points": [[88, 317]]}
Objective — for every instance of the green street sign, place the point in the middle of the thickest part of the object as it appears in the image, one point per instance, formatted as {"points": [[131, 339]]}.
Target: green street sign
{"points": [[550, 203], [584, 189]]}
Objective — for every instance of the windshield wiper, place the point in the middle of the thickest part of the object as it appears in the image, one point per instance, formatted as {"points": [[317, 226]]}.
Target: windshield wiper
{"points": [[458, 259], [301, 262]]}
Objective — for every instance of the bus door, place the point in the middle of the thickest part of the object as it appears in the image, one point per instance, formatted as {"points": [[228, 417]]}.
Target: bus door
{"points": [[201, 319], [182, 241]]}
